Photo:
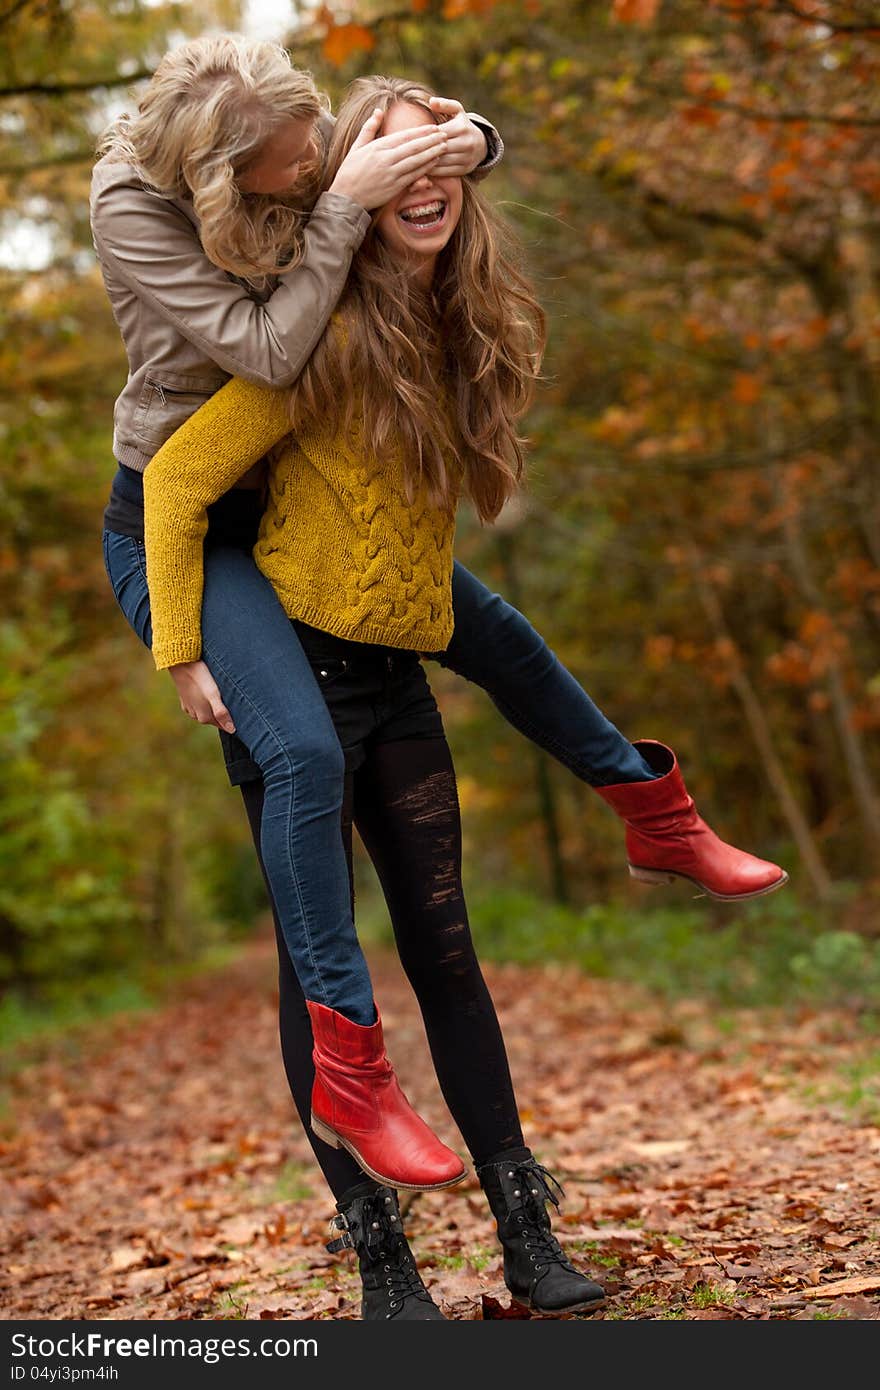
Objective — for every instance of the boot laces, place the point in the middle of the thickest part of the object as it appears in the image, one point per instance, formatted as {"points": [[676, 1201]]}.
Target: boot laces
{"points": [[537, 1186], [383, 1248], [402, 1279]]}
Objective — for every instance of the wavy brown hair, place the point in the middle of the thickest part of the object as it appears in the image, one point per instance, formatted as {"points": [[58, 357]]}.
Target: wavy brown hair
{"points": [[438, 377], [207, 111]]}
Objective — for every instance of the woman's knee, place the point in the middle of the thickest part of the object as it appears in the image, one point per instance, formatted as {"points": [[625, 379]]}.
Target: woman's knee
{"points": [[313, 758]]}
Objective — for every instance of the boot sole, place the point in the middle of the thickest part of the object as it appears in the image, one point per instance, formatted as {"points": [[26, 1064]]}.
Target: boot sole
{"points": [[336, 1141], [670, 875], [560, 1312]]}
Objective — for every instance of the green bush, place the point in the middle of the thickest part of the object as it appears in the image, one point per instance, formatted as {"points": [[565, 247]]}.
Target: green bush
{"points": [[767, 953]]}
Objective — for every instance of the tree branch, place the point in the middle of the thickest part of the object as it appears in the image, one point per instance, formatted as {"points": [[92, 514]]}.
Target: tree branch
{"points": [[50, 162], [799, 117], [63, 89], [783, 7], [827, 23], [15, 8]]}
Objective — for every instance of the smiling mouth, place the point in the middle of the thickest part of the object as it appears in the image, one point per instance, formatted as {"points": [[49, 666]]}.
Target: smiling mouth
{"points": [[424, 217]]}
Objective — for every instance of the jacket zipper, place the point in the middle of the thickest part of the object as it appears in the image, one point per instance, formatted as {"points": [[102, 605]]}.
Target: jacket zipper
{"points": [[178, 391]]}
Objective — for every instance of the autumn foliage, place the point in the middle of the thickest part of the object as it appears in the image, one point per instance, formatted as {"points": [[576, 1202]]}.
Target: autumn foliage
{"points": [[697, 182]]}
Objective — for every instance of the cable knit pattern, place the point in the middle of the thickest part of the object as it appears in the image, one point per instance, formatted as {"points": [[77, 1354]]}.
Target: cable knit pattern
{"points": [[344, 549]]}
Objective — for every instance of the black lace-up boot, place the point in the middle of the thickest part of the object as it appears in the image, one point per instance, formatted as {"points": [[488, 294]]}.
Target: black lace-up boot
{"points": [[392, 1286], [535, 1268]]}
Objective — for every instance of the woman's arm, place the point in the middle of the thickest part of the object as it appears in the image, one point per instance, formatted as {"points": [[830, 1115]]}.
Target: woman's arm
{"points": [[201, 461], [152, 246]]}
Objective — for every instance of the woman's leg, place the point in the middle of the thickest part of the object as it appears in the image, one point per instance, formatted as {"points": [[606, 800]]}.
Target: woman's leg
{"points": [[666, 838], [295, 1026], [497, 648], [406, 811], [368, 1215], [280, 714]]}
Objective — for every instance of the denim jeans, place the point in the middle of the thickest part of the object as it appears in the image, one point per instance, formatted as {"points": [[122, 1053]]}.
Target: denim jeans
{"points": [[374, 694], [494, 646], [280, 716]]}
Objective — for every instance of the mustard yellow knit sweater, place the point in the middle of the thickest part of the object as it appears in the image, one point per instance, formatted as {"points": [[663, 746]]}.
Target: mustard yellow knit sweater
{"points": [[344, 549]]}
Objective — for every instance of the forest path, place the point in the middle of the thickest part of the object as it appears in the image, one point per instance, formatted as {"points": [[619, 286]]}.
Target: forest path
{"points": [[153, 1168]]}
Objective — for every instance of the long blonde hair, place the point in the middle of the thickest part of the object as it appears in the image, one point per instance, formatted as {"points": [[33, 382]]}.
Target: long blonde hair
{"points": [[438, 378], [209, 108]]}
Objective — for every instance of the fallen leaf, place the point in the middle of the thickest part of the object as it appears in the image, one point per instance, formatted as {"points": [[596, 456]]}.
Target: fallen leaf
{"points": [[127, 1257], [495, 1311], [858, 1283], [661, 1148]]}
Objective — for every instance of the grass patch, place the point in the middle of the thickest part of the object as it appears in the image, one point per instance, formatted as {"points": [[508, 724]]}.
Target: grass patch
{"points": [[771, 952], [316, 1285], [480, 1258], [857, 1091], [290, 1184], [449, 1261], [708, 1295], [32, 1017], [639, 1303], [232, 1305]]}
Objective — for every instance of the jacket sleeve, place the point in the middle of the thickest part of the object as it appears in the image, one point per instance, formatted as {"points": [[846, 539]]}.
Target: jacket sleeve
{"points": [[494, 147], [154, 249], [201, 461]]}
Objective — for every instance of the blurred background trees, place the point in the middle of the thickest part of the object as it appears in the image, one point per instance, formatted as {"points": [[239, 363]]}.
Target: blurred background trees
{"points": [[697, 183]]}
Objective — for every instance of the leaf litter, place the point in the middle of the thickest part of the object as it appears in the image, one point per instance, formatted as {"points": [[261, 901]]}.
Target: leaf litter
{"points": [[145, 1167]]}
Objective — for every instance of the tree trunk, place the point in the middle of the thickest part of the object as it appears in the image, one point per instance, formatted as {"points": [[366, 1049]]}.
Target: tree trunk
{"points": [[762, 735]]}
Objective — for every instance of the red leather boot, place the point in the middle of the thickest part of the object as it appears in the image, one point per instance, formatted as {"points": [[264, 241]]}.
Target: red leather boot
{"points": [[358, 1105], [667, 839]]}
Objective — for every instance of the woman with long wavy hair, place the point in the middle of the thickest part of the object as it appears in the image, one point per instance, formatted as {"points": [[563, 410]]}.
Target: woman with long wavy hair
{"points": [[219, 257], [410, 399]]}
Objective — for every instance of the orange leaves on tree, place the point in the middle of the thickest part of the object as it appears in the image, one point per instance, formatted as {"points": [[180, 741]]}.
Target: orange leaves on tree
{"points": [[635, 11], [700, 115], [700, 329], [791, 665], [820, 643], [856, 579], [342, 40], [459, 9], [659, 651], [746, 388]]}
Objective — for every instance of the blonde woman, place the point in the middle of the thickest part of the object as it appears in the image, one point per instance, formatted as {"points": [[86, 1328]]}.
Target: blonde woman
{"points": [[199, 219], [410, 398]]}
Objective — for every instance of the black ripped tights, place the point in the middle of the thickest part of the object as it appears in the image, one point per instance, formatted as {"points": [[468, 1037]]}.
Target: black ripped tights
{"points": [[404, 802]]}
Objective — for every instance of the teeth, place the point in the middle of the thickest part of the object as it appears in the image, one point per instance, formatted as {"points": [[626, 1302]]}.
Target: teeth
{"points": [[422, 210]]}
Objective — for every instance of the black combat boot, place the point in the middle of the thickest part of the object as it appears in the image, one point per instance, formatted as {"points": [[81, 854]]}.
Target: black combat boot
{"points": [[392, 1286], [535, 1268]]}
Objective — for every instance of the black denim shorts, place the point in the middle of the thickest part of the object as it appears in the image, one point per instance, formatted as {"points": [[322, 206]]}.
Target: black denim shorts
{"points": [[374, 695]]}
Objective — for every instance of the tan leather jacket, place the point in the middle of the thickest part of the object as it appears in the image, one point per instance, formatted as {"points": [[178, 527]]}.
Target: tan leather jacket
{"points": [[188, 326]]}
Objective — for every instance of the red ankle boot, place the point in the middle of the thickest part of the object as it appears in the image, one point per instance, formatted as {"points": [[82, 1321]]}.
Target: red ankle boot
{"points": [[667, 839], [358, 1105]]}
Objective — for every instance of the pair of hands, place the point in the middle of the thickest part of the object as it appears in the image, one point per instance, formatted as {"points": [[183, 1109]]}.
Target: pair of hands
{"points": [[378, 168]]}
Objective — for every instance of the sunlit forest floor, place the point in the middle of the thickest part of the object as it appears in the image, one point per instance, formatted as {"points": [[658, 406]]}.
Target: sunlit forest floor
{"points": [[715, 1165]]}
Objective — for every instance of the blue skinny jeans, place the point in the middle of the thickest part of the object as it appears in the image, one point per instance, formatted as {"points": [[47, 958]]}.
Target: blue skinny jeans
{"points": [[254, 655]]}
